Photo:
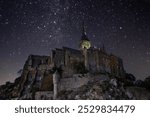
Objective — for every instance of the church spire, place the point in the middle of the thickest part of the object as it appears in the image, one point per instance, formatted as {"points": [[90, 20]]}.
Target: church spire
{"points": [[84, 37], [83, 29], [84, 42]]}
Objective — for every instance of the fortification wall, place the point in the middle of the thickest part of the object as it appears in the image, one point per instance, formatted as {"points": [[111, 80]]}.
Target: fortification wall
{"points": [[74, 82], [77, 81]]}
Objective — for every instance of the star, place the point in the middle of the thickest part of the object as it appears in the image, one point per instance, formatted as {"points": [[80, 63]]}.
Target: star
{"points": [[33, 27]]}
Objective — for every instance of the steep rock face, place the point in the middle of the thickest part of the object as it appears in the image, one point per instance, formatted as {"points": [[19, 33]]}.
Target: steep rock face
{"points": [[36, 76]]}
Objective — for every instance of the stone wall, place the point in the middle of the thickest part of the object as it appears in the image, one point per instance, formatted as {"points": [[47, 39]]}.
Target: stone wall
{"points": [[77, 81], [72, 83]]}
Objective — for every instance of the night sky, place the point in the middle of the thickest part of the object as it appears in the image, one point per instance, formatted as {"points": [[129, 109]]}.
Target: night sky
{"points": [[38, 26]]}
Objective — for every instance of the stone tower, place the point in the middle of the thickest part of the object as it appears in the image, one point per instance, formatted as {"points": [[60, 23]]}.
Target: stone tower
{"points": [[85, 44]]}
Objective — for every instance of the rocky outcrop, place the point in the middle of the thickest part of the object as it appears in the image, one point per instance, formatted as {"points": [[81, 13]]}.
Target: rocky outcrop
{"points": [[10, 90], [96, 90], [147, 83], [111, 89], [138, 93]]}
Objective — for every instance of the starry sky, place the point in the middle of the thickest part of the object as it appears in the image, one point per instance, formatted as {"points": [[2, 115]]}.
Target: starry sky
{"points": [[38, 26]]}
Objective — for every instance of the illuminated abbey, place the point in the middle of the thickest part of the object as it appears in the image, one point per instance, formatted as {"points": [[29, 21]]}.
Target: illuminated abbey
{"points": [[67, 69]]}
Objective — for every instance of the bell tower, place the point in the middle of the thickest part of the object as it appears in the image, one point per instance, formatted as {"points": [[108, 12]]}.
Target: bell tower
{"points": [[85, 44]]}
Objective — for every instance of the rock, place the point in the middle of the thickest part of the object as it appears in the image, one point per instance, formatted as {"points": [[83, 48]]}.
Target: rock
{"points": [[95, 90], [138, 93], [77, 97], [147, 83], [129, 94], [113, 82]]}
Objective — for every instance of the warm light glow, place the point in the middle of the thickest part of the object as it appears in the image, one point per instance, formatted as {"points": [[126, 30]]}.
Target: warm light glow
{"points": [[85, 44]]}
